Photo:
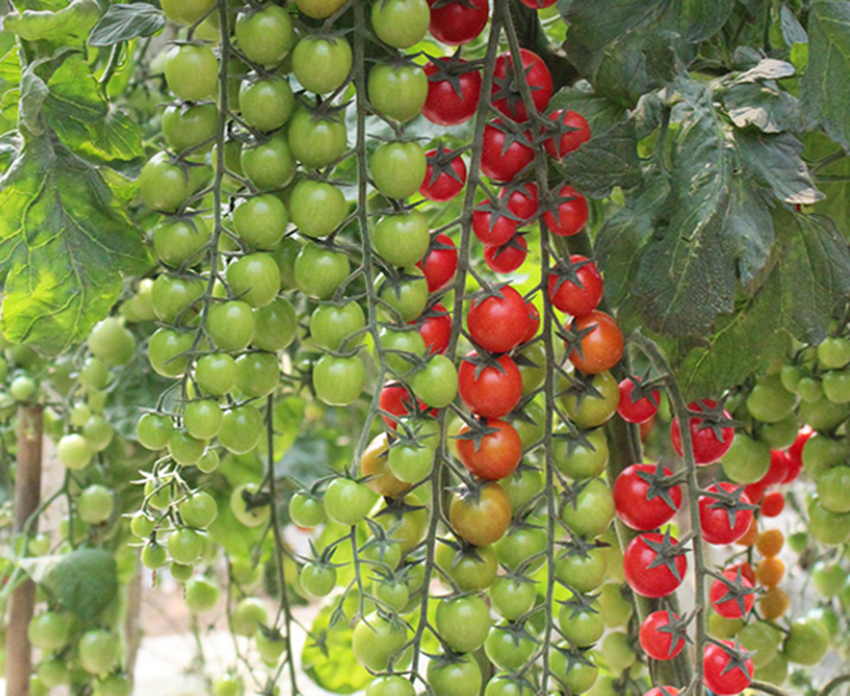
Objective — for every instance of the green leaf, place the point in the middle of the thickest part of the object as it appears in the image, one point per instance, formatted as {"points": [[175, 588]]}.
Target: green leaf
{"points": [[33, 94], [327, 657], [792, 31], [601, 113], [832, 177], [762, 105], [84, 582], [126, 22], [65, 244], [629, 47], [84, 120], [825, 89], [68, 25], [776, 162]]}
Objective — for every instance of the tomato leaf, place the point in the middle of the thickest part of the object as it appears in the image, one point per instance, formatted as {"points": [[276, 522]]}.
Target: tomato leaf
{"points": [[825, 90], [126, 22], [65, 244], [84, 582], [67, 25], [629, 47], [327, 657]]}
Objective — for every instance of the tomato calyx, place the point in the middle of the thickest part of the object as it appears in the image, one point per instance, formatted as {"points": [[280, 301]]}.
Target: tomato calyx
{"points": [[566, 271], [666, 552], [573, 338], [661, 484], [581, 385], [713, 416], [738, 656], [582, 547], [478, 428], [441, 162], [677, 628], [450, 70], [736, 590], [645, 388], [516, 242], [729, 500]]}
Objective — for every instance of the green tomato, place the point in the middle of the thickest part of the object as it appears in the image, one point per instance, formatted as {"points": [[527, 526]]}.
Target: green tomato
{"points": [[592, 510], [185, 546], [215, 374], [827, 527], [74, 452], [186, 11], [269, 165], [390, 685], [761, 639], [507, 649], [316, 139], [834, 353], [520, 545], [577, 677], [398, 169], [769, 401], [592, 411], [190, 127], [339, 381], [260, 221], [321, 64], [317, 207], [199, 510], [376, 642], [617, 652], [402, 239], [248, 615], [402, 349], [459, 676], [172, 296], [522, 486], [49, 631], [436, 384], [580, 460], [580, 572], [241, 429], [201, 594], [276, 325], [318, 579], [581, 627], [615, 608], [202, 419], [246, 508], [266, 104], [823, 415], [96, 504], [185, 449], [471, 571], [54, 672], [747, 460], [463, 623], [401, 23], [836, 386], [807, 642], [98, 433], [306, 511], [257, 374], [266, 35], [228, 685], [833, 487], [98, 651], [191, 72], [254, 278], [776, 672], [112, 342], [512, 598], [231, 325], [168, 352], [397, 91], [348, 502], [319, 271], [333, 325], [410, 463], [780, 435], [821, 453]]}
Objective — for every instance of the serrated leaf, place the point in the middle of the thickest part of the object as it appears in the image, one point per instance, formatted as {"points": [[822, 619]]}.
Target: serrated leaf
{"points": [[84, 582], [604, 162], [776, 161], [84, 120], [126, 22], [329, 661], [629, 47], [763, 106], [65, 244], [825, 89], [601, 113], [70, 24]]}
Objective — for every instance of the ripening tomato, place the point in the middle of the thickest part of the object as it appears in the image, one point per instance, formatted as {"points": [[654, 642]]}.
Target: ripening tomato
{"points": [[658, 581], [495, 455], [436, 328], [498, 323], [446, 105], [575, 288], [505, 92], [656, 643], [714, 517], [489, 391], [773, 504], [641, 505], [601, 348], [634, 410], [439, 263], [505, 154], [569, 140], [508, 257], [572, 213], [778, 468], [395, 400], [445, 175], [458, 21], [707, 447], [718, 676], [728, 605], [795, 455], [480, 517]]}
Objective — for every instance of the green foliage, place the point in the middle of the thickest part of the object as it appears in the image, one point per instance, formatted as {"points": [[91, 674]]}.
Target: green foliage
{"points": [[126, 22], [84, 582], [327, 657]]}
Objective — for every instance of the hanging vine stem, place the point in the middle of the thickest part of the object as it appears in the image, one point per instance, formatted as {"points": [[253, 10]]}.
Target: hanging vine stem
{"points": [[680, 409]]}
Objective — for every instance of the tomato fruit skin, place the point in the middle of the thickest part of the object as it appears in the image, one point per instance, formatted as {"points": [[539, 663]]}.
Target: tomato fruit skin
{"points": [[269, 165], [537, 75], [436, 385], [439, 263], [714, 521], [583, 461], [254, 278], [506, 685], [167, 352], [191, 72], [481, 518], [707, 448], [508, 257], [581, 628], [507, 650], [189, 127], [49, 631], [201, 594], [186, 11], [402, 239], [260, 221], [316, 140], [443, 105], [377, 640], [265, 36], [593, 410], [231, 325], [317, 207], [397, 91], [339, 381], [500, 163], [633, 507], [266, 104], [650, 582], [498, 454], [747, 459], [98, 651], [591, 511], [571, 141], [577, 299], [807, 642], [458, 677], [320, 271], [390, 685], [445, 186], [179, 242], [491, 392], [463, 623], [398, 168], [733, 681], [241, 429], [332, 326], [401, 23], [730, 608], [491, 228], [322, 64], [656, 643], [407, 297], [456, 23], [602, 348], [639, 411], [571, 214], [498, 323], [436, 329], [163, 185]]}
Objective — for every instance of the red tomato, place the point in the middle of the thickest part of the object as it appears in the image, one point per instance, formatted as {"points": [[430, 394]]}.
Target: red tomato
{"points": [[397, 401], [440, 263], [795, 454], [572, 213], [746, 571], [656, 582], [523, 201], [656, 643], [569, 140], [633, 504], [533, 322], [662, 691], [498, 324], [716, 673], [492, 226], [444, 105], [458, 22], [729, 606], [639, 411], [436, 329], [707, 448], [508, 257], [503, 162], [773, 504], [601, 348], [505, 93], [778, 468], [491, 392], [575, 288], [755, 491], [445, 175], [714, 517], [538, 4], [496, 456]]}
